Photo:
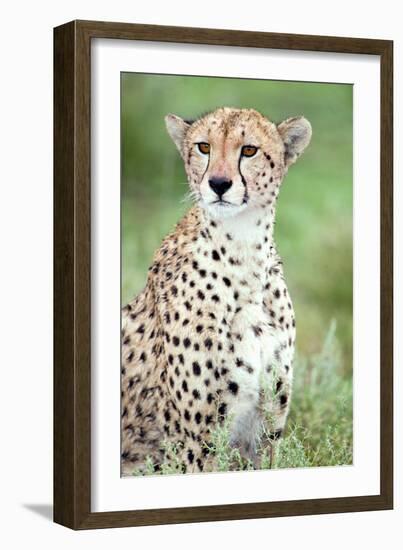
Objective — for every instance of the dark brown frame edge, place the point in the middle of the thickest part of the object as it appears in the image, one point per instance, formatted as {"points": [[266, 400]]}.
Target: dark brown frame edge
{"points": [[72, 306]]}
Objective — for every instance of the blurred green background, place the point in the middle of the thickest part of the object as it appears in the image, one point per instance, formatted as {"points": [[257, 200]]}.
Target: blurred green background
{"points": [[313, 231]]}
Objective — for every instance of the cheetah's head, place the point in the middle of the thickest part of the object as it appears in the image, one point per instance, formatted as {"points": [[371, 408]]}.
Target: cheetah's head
{"points": [[237, 158]]}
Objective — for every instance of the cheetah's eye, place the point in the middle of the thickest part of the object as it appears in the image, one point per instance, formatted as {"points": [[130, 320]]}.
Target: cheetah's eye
{"points": [[204, 148], [248, 151]]}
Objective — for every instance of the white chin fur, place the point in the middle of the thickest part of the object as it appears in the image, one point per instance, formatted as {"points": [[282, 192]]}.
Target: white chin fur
{"points": [[218, 211]]}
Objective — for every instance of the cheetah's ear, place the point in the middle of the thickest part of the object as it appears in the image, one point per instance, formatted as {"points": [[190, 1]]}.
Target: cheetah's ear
{"points": [[177, 129], [296, 133]]}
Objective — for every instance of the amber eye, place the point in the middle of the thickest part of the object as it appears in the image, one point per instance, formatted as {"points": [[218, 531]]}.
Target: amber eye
{"points": [[204, 148], [249, 150]]}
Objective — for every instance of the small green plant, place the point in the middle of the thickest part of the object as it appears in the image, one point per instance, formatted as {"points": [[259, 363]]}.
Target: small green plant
{"points": [[320, 427], [171, 465], [226, 457]]}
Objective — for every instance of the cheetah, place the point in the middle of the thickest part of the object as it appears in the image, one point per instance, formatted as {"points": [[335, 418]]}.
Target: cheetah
{"points": [[214, 326]]}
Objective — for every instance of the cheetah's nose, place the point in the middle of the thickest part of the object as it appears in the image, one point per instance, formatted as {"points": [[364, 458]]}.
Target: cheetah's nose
{"points": [[219, 185]]}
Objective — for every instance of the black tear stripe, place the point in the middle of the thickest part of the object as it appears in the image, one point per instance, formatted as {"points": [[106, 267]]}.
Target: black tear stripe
{"points": [[205, 171], [239, 170], [246, 194]]}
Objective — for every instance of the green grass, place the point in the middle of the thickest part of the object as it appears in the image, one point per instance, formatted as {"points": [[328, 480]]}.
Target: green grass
{"points": [[313, 230], [319, 428]]}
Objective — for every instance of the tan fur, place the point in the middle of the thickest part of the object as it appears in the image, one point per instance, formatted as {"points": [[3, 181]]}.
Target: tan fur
{"points": [[214, 325]]}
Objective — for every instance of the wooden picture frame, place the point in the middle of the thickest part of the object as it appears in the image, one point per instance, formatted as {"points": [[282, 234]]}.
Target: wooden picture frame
{"points": [[72, 272]]}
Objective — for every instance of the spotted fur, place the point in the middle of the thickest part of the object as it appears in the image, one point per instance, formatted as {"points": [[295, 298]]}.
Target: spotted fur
{"points": [[211, 337]]}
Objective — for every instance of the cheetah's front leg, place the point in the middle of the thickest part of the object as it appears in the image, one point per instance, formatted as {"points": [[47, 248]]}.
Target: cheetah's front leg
{"points": [[249, 330]]}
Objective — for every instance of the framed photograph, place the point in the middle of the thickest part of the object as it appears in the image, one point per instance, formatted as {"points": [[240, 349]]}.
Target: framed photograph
{"points": [[223, 275]]}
